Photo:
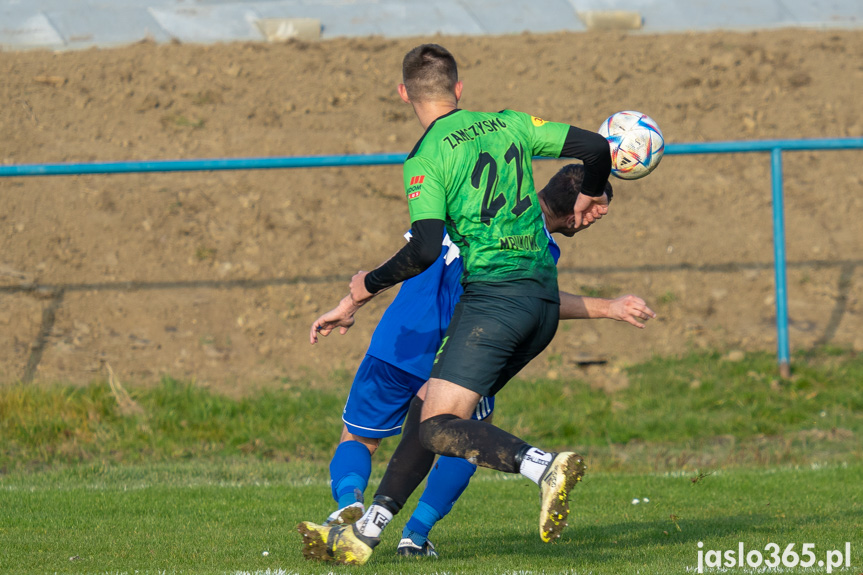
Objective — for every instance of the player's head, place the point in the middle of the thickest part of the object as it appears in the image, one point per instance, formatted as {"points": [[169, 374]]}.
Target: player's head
{"points": [[559, 196], [429, 73]]}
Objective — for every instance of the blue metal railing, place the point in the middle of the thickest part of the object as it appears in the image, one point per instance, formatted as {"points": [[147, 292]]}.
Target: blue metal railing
{"points": [[201, 165], [774, 147], [214, 164]]}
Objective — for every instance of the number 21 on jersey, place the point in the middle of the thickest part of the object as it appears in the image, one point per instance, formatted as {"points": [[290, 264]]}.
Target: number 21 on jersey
{"points": [[493, 202]]}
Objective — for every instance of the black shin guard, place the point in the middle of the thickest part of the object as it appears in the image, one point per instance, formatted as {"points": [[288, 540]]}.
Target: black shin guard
{"points": [[409, 464], [477, 441], [387, 503]]}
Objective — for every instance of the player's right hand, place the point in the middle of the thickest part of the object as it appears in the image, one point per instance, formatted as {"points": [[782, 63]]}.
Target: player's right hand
{"points": [[631, 309], [341, 316], [589, 209]]}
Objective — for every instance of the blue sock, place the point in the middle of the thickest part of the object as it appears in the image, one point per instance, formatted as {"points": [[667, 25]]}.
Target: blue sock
{"points": [[349, 472], [422, 520], [447, 481]]}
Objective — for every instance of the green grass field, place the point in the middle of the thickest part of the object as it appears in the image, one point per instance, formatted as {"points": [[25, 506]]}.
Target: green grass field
{"points": [[191, 482]]}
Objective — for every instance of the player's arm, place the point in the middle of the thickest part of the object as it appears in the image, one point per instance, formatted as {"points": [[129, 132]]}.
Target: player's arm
{"points": [[629, 308], [592, 149], [342, 316], [427, 205], [589, 147], [413, 259]]}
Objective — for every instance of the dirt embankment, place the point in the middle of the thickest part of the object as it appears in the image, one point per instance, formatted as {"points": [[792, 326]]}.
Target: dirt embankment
{"points": [[217, 276]]}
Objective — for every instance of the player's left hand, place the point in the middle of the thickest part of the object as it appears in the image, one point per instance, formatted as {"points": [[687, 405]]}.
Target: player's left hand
{"points": [[631, 309], [359, 293]]}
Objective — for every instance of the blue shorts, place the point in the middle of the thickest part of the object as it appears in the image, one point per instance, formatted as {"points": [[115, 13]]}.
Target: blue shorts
{"points": [[380, 396]]}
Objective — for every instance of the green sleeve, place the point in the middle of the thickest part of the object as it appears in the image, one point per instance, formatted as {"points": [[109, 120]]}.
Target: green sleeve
{"points": [[546, 138], [425, 191]]}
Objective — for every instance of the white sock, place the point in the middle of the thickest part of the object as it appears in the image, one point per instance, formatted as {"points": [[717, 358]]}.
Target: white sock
{"points": [[374, 520], [534, 464]]}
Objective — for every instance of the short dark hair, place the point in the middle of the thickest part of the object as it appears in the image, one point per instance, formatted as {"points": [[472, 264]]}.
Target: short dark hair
{"points": [[563, 187], [429, 71]]}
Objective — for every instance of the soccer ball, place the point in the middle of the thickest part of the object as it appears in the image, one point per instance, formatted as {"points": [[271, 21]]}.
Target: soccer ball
{"points": [[636, 144]]}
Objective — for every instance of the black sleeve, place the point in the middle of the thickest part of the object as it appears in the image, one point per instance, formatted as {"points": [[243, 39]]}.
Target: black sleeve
{"points": [[413, 259], [592, 149]]}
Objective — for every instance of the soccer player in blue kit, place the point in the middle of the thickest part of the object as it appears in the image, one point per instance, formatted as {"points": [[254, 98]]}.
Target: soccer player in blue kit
{"points": [[399, 360]]}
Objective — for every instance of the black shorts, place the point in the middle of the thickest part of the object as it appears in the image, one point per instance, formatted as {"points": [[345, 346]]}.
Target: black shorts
{"points": [[492, 337]]}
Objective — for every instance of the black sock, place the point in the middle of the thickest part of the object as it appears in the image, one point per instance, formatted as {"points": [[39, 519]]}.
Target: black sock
{"points": [[477, 441], [409, 464]]}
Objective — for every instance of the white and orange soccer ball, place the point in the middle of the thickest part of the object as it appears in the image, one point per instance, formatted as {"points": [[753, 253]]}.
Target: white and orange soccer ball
{"points": [[636, 144]]}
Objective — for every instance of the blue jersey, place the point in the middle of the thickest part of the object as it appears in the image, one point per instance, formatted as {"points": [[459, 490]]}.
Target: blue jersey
{"points": [[413, 326]]}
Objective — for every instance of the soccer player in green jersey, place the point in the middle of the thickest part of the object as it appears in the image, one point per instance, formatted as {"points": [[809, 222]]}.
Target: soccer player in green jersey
{"points": [[471, 174]]}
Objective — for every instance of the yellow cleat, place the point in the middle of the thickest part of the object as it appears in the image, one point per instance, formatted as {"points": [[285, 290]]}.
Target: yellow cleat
{"points": [[562, 475], [337, 543]]}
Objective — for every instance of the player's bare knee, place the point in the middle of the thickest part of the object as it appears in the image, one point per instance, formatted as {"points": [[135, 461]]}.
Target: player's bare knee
{"points": [[371, 443]]}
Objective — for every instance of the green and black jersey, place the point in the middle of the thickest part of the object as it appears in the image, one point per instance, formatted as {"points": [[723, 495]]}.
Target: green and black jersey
{"points": [[474, 171]]}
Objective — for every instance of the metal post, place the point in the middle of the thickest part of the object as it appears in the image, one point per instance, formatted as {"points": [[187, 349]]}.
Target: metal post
{"points": [[783, 354]]}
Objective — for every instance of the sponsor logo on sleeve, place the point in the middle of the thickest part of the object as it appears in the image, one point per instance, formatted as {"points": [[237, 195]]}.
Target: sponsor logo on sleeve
{"points": [[537, 121], [415, 187]]}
